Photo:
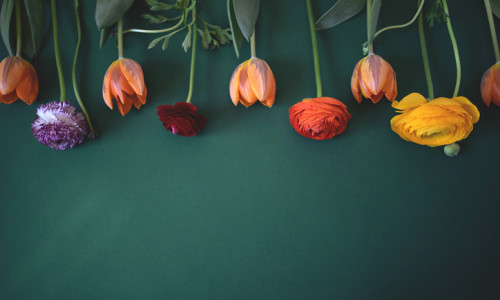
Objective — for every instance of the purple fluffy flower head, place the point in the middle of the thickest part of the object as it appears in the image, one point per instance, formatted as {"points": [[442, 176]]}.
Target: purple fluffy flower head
{"points": [[59, 126]]}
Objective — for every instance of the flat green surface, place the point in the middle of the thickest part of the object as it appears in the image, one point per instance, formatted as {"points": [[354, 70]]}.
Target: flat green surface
{"points": [[249, 209]]}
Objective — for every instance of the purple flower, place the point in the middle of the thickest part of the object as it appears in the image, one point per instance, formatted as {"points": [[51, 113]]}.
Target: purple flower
{"points": [[59, 126]]}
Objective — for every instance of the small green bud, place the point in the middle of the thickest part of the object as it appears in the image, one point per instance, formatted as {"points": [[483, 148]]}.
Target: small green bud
{"points": [[452, 149]]}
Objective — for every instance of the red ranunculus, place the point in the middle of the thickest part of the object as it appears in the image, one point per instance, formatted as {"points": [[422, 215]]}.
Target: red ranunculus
{"points": [[182, 119], [319, 118]]}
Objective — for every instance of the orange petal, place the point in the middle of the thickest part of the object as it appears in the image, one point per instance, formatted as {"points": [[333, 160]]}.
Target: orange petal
{"points": [[27, 89], [12, 69], [355, 83], [106, 90], [133, 74], [247, 96], [234, 90], [411, 101], [261, 77]]}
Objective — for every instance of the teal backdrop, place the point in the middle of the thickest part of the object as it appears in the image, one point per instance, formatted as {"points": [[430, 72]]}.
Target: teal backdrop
{"points": [[249, 209]]}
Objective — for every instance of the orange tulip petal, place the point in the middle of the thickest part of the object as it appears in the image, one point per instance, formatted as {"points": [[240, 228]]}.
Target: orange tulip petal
{"points": [[247, 96], [12, 69], [124, 107], [106, 90], [133, 75], [9, 98], [355, 83], [234, 88], [27, 89]]}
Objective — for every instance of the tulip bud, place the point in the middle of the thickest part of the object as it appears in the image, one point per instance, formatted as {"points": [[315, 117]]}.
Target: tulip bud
{"points": [[490, 85], [18, 80], [373, 78]]}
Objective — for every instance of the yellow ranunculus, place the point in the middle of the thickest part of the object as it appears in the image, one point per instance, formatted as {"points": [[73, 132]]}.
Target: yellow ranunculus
{"points": [[439, 122]]}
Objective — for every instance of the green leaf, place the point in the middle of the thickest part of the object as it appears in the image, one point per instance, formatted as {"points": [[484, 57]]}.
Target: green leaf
{"points": [[436, 13], [105, 34], [246, 12], [206, 38], [32, 34], [374, 19], [341, 11], [5, 16], [155, 41], [108, 12], [236, 34], [155, 5], [165, 43], [187, 40], [495, 7]]}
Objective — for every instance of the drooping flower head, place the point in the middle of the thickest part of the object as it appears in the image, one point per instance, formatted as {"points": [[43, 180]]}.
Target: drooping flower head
{"points": [[124, 81], [59, 126], [490, 85], [372, 78], [253, 80], [18, 80], [182, 118], [439, 122], [319, 118]]}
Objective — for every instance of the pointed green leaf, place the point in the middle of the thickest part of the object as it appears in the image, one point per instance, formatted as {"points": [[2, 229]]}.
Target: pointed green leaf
{"points": [[187, 40], [33, 27], [341, 11], [105, 34], [247, 13], [236, 34], [5, 16], [155, 41], [495, 7], [165, 43], [108, 12]]}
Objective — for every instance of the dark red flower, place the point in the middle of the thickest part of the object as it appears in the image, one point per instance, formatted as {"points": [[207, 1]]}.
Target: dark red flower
{"points": [[319, 118], [182, 119]]}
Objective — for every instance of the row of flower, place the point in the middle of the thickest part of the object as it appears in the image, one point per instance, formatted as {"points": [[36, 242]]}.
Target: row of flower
{"points": [[433, 122]]}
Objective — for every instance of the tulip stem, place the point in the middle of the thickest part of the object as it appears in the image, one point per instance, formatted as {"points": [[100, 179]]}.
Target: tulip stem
{"points": [[181, 21], [455, 48], [315, 48], [425, 57], [252, 45], [491, 22], [369, 25], [57, 52], [75, 85], [402, 25], [18, 29], [193, 58], [120, 38]]}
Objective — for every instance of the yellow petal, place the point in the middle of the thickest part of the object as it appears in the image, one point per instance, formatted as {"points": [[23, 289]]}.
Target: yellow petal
{"points": [[410, 101]]}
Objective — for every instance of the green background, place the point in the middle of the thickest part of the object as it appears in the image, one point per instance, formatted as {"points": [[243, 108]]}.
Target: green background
{"points": [[249, 209]]}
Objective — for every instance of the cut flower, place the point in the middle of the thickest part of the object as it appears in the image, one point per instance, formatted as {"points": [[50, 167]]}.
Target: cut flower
{"points": [[18, 80], [124, 81], [59, 126], [439, 122], [182, 118], [490, 85], [319, 118], [372, 78], [251, 81]]}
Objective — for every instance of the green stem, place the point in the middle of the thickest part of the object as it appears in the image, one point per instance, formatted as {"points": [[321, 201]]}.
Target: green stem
{"points": [[425, 57], [252, 45], [19, 46], [315, 49], [455, 48], [492, 29], [369, 25], [57, 52], [75, 85], [193, 58], [120, 38], [157, 30], [403, 25]]}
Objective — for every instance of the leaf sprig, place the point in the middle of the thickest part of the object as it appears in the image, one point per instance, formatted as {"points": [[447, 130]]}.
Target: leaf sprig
{"points": [[212, 36]]}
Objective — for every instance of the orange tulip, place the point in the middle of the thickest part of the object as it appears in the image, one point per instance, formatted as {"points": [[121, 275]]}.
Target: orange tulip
{"points": [[124, 82], [18, 80], [490, 85], [372, 78], [251, 81]]}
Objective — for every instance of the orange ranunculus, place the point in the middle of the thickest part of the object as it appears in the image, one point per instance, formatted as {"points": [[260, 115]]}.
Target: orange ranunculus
{"points": [[319, 118], [490, 85], [372, 78], [124, 81], [18, 80], [439, 122], [251, 81]]}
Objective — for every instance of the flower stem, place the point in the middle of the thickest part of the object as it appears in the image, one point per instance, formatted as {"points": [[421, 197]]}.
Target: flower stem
{"points": [[492, 29], [19, 46], [425, 57], [120, 38], [57, 52], [252, 45], [193, 58], [369, 25], [181, 21], [402, 25], [75, 85], [455, 48], [315, 49]]}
